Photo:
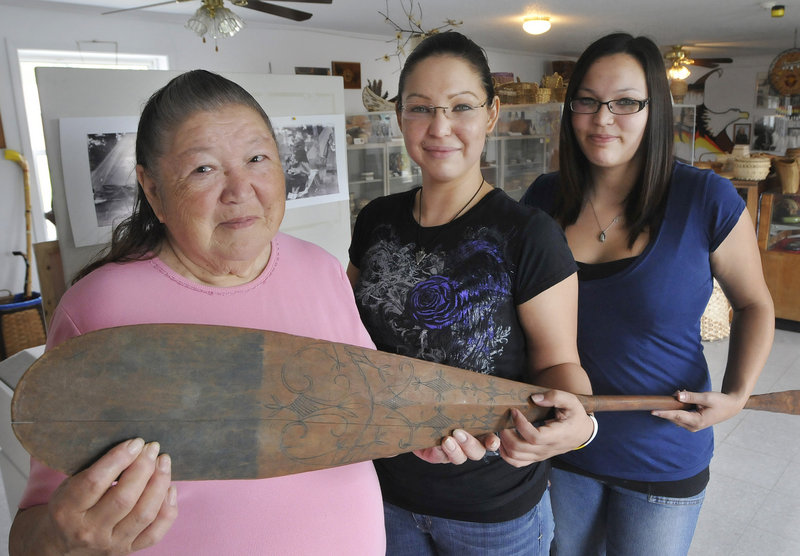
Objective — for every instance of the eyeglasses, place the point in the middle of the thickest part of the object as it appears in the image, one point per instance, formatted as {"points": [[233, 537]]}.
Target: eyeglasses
{"points": [[457, 112], [620, 106]]}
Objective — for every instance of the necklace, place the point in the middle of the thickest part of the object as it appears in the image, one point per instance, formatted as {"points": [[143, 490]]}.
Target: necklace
{"points": [[420, 253], [602, 236]]}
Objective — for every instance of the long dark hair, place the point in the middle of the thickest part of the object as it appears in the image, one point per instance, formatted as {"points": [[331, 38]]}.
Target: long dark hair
{"points": [[141, 234], [645, 203], [448, 43]]}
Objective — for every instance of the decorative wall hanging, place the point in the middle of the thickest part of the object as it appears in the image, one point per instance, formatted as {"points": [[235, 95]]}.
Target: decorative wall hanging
{"points": [[411, 33], [784, 72]]}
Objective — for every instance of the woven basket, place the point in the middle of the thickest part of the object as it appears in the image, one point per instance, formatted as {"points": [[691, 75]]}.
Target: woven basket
{"points": [[715, 323], [21, 324], [543, 95], [559, 94], [754, 168], [517, 93]]}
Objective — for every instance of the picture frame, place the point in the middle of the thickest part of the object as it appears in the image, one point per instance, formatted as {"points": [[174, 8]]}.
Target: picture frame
{"points": [[99, 163], [350, 72], [313, 152], [306, 70], [742, 134]]}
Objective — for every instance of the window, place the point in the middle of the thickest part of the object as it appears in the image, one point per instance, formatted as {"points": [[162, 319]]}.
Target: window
{"points": [[29, 60]]}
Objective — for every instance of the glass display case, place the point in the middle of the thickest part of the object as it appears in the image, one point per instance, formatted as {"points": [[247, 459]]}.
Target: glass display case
{"points": [[377, 161], [523, 146], [779, 243]]}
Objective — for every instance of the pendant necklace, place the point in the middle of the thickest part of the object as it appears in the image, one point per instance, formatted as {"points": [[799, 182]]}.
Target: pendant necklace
{"points": [[420, 253], [602, 236]]}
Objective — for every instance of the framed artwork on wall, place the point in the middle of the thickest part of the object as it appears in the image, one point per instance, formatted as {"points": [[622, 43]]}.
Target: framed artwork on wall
{"points": [[305, 70], [313, 151], [742, 134], [350, 73], [99, 162]]}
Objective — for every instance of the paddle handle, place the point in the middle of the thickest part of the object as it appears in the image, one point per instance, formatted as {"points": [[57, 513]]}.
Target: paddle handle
{"points": [[787, 402]]}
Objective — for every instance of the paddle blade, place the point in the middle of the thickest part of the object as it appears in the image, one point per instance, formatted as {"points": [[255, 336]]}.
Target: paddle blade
{"points": [[780, 402], [233, 403]]}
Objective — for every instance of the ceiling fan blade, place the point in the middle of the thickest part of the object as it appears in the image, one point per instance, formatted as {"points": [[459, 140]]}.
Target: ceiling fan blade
{"points": [[312, 1], [716, 60], [146, 6], [280, 11]]}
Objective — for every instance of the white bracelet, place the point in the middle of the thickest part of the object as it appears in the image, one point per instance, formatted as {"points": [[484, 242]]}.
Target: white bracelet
{"points": [[595, 426]]}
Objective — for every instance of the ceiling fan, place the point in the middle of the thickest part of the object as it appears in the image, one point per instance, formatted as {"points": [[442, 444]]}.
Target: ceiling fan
{"points": [[214, 18], [678, 58], [258, 5]]}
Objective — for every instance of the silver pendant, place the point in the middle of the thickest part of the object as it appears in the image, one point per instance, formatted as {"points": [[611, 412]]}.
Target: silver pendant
{"points": [[602, 237]]}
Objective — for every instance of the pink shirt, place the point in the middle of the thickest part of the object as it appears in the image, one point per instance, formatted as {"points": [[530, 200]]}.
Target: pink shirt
{"points": [[303, 291]]}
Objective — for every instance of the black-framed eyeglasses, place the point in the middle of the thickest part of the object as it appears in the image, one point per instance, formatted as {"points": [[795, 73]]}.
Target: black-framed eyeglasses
{"points": [[458, 111], [619, 106]]}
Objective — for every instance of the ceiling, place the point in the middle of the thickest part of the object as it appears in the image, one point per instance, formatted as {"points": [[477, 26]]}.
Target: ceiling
{"points": [[709, 28]]}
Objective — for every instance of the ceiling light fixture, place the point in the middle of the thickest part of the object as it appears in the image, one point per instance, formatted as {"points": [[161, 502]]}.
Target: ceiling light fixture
{"points": [[678, 71], [213, 18], [536, 25], [777, 10]]}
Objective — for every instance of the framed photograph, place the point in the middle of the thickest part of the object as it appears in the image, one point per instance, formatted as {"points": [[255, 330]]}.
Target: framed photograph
{"points": [[304, 70], [313, 152], [742, 134], [350, 73], [99, 163]]}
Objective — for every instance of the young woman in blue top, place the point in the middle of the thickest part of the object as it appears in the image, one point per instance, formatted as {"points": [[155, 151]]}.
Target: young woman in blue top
{"points": [[649, 234]]}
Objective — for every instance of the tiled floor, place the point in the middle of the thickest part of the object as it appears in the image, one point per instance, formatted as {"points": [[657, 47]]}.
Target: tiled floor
{"points": [[751, 505]]}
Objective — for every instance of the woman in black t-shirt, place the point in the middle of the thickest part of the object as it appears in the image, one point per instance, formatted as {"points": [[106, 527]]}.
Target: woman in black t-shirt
{"points": [[459, 273]]}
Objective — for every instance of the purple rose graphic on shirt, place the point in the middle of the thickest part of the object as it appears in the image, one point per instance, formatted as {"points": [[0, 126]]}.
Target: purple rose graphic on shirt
{"points": [[436, 302]]}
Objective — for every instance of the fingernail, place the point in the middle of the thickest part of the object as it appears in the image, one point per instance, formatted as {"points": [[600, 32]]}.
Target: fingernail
{"points": [[460, 435], [172, 497], [135, 446], [449, 444], [681, 395], [152, 450], [495, 445], [164, 463], [537, 397]]}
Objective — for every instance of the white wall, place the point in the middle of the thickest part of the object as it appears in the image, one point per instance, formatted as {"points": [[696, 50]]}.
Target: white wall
{"points": [[43, 25]]}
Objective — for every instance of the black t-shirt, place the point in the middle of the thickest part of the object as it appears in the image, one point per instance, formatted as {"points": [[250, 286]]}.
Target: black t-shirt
{"points": [[457, 306]]}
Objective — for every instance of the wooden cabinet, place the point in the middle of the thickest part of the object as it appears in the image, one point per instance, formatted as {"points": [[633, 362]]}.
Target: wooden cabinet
{"points": [[779, 243], [750, 192]]}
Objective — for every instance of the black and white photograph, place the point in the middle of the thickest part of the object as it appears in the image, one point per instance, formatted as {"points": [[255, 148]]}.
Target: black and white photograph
{"points": [[112, 163], [98, 157], [312, 150]]}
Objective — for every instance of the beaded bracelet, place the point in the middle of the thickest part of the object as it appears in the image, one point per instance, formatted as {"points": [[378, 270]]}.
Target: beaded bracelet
{"points": [[595, 426]]}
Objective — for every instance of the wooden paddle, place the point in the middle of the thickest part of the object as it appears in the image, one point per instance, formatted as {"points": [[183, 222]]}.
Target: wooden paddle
{"points": [[234, 403]]}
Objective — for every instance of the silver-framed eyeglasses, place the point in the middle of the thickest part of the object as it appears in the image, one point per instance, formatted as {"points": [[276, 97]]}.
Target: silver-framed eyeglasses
{"points": [[460, 111], [619, 106]]}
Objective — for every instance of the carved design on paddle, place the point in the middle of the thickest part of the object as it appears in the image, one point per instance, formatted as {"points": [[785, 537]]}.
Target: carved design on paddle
{"points": [[353, 403]]}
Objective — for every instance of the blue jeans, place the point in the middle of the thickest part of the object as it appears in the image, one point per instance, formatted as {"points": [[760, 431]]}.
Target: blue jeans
{"points": [[593, 517], [419, 535]]}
